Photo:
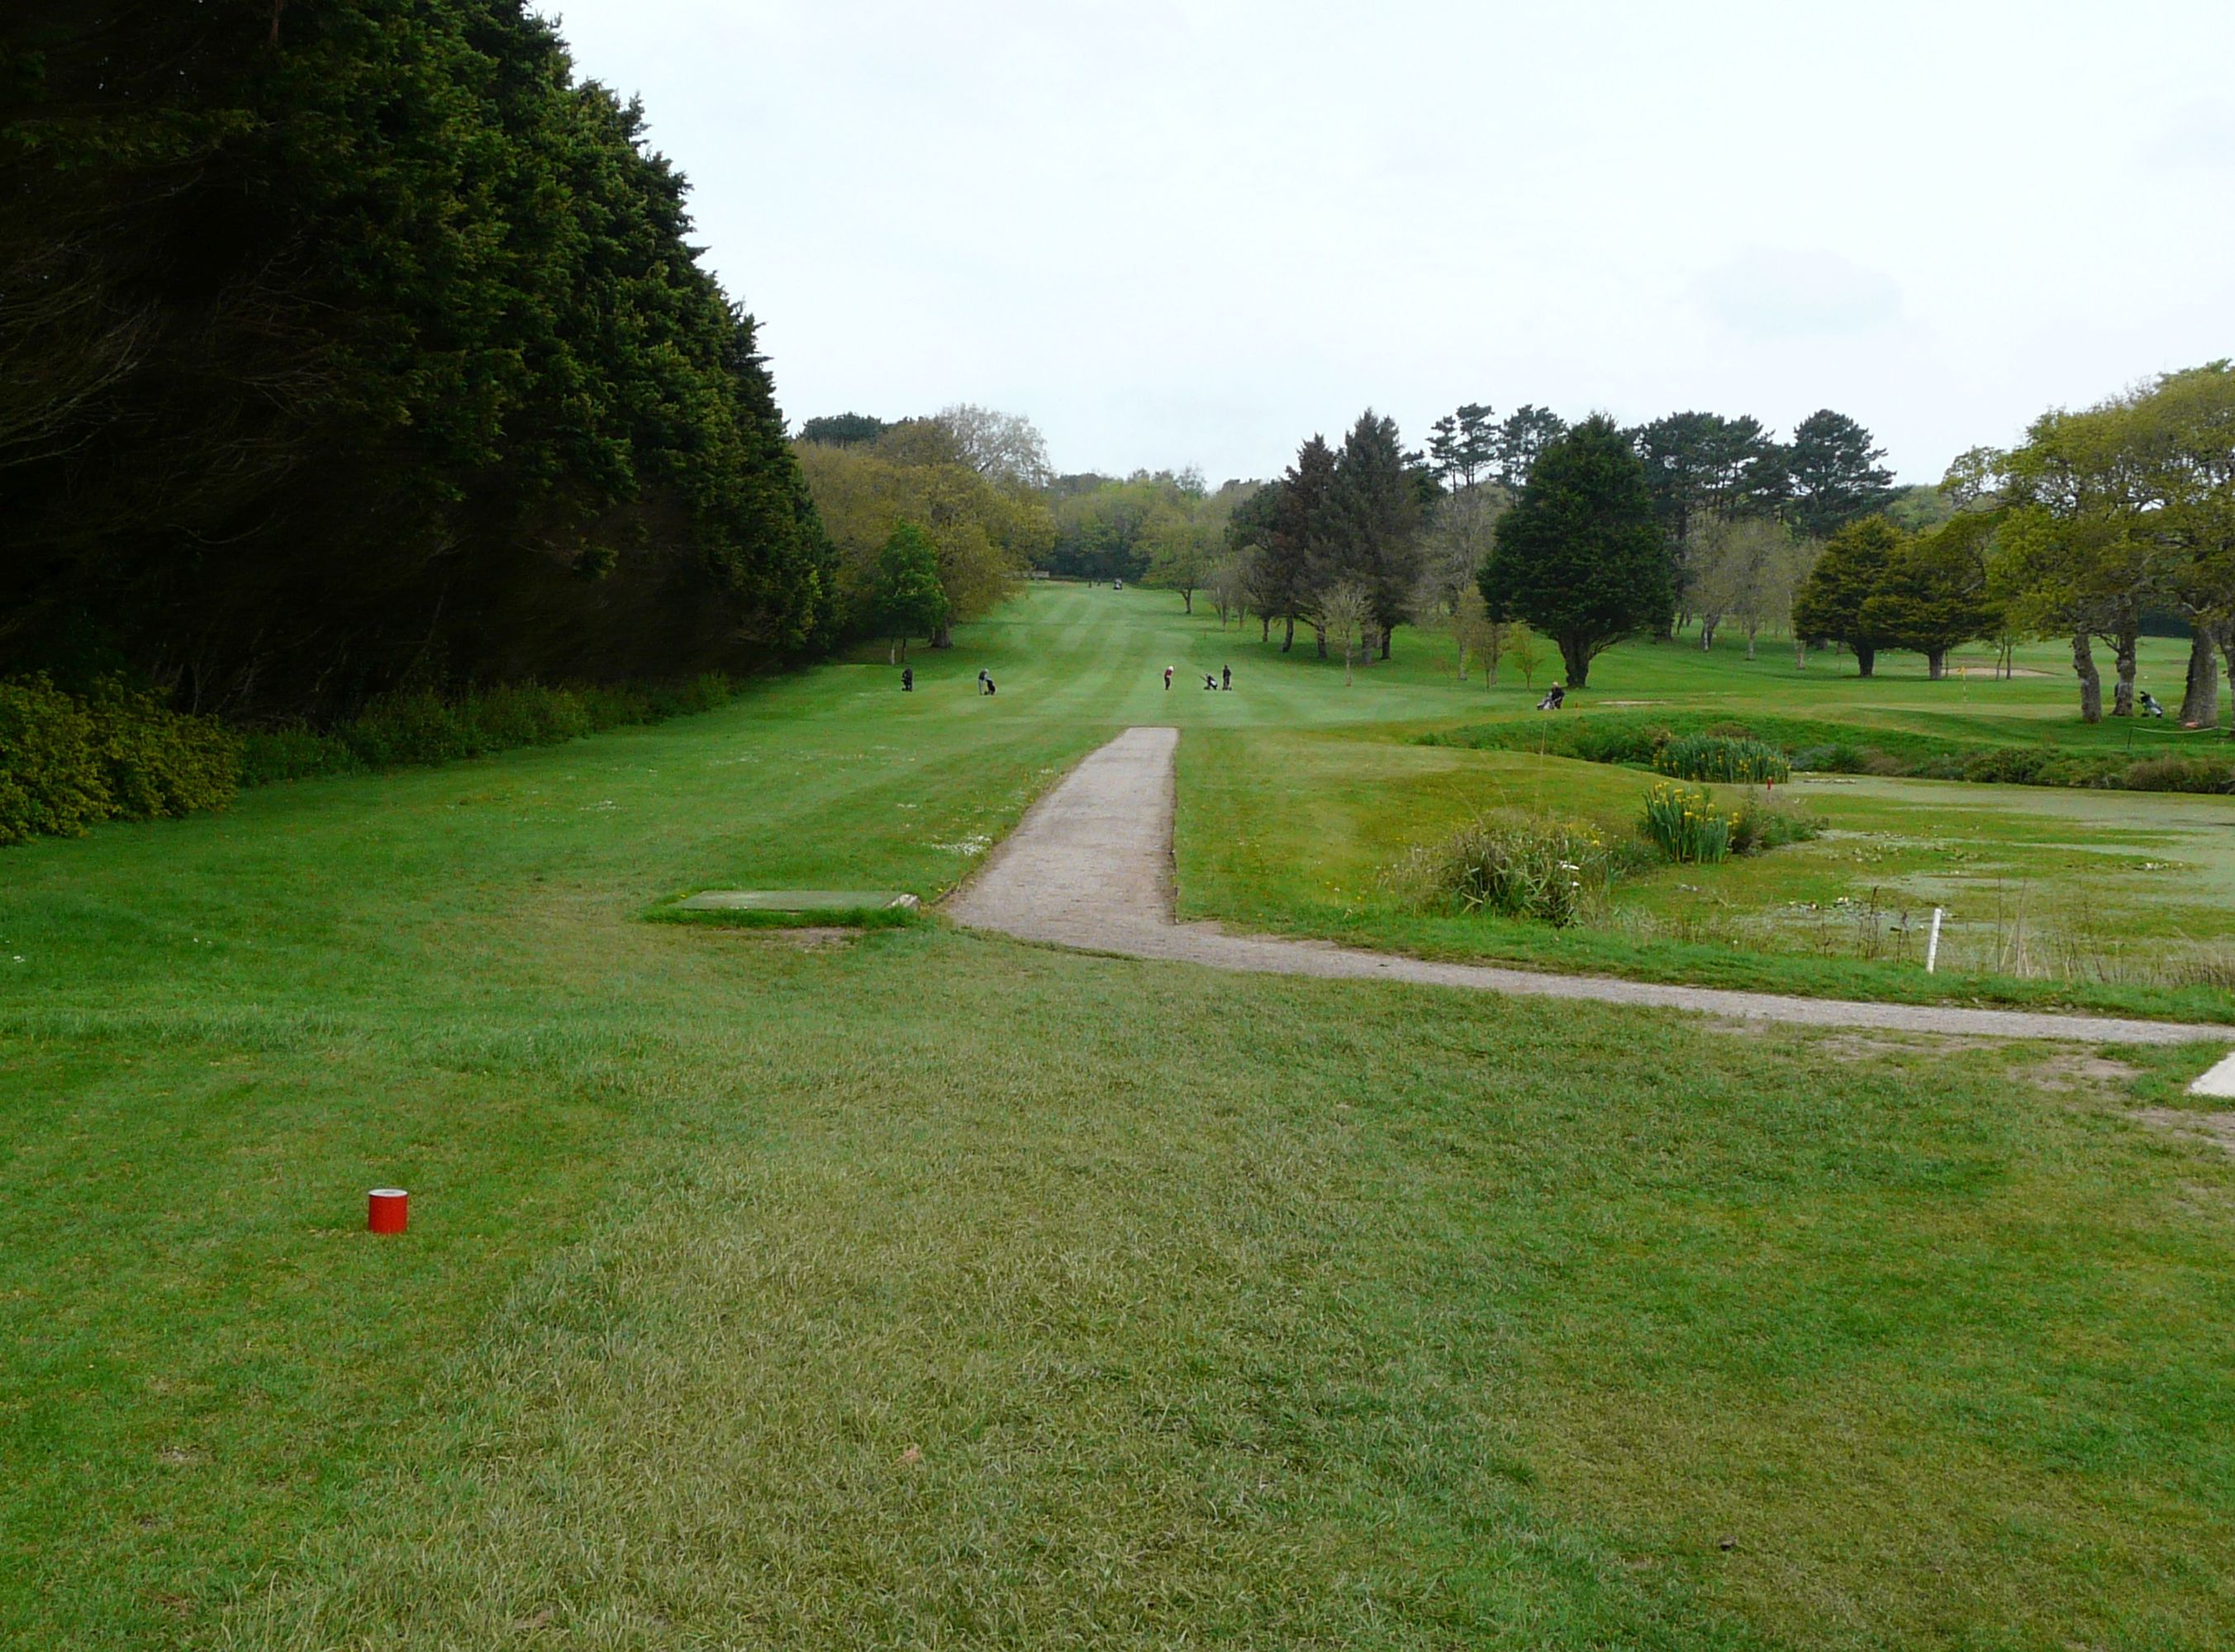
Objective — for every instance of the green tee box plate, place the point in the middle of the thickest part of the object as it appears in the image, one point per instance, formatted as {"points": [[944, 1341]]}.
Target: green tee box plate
{"points": [[797, 900]]}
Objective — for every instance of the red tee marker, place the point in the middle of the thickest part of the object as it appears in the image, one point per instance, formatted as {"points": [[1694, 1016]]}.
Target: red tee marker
{"points": [[387, 1208]]}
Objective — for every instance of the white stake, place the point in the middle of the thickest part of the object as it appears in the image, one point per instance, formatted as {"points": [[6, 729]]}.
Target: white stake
{"points": [[1933, 946]]}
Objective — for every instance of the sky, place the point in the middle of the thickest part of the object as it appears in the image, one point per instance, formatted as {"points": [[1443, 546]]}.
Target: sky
{"points": [[1192, 232]]}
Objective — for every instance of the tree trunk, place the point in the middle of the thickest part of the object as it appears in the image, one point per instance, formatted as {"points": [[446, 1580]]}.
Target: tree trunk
{"points": [[1866, 660], [2200, 705], [1187, 602], [1319, 632], [1800, 652], [1936, 664], [1576, 658], [2224, 636], [2122, 697], [1750, 633], [2090, 682], [1265, 628], [944, 637], [1389, 633], [1707, 634], [1288, 634]]}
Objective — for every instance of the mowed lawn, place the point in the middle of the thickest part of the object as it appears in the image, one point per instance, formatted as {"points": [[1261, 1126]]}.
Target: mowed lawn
{"points": [[937, 1291]]}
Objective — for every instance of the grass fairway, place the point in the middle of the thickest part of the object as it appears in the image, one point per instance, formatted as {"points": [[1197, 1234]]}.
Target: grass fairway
{"points": [[930, 1289]]}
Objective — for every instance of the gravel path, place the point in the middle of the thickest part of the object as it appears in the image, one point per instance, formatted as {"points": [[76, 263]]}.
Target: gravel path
{"points": [[1091, 868]]}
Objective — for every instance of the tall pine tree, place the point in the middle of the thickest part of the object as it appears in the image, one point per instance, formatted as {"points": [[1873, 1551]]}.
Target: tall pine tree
{"points": [[1833, 474], [1375, 519], [1302, 538]]}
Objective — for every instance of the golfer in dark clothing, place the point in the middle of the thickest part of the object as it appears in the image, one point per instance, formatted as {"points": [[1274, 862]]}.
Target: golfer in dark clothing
{"points": [[1225, 677], [908, 679], [1554, 698]]}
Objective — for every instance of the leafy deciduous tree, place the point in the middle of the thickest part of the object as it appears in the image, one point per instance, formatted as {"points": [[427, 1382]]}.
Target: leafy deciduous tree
{"points": [[909, 601], [1344, 613]]}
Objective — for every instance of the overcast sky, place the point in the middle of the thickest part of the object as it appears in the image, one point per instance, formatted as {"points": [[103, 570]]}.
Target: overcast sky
{"points": [[1194, 233]]}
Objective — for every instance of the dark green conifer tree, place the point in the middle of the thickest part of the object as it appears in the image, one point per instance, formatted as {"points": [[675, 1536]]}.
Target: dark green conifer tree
{"points": [[1374, 521], [1833, 474], [1580, 555], [1303, 535], [357, 342], [1833, 604], [1933, 596]]}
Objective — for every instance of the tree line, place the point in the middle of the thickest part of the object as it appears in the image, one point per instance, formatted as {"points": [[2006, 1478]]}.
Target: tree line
{"points": [[933, 520], [1643, 529], [357, 345], [2099, 520]]}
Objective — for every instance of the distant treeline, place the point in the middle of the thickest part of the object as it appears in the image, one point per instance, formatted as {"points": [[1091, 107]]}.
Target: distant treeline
{"points": [[358, 346]]}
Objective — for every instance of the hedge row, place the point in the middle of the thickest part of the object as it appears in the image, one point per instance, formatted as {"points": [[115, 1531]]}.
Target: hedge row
{"points": [[402, 730], [67, 761], [1690, 746]]}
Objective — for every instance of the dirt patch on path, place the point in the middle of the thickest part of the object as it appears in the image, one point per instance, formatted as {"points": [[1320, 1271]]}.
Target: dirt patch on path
{"points": [[1091, 868]]}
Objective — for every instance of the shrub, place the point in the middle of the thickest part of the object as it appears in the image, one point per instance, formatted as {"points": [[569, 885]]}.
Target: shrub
{"points": [[1522, 866], [1613, 743], [414, 727], [50, 771], [1839, 758], [1763, 822], [701, 693], [160, 763], [1728, 758], [66, 762], [293, 752], [2181, 775]]}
